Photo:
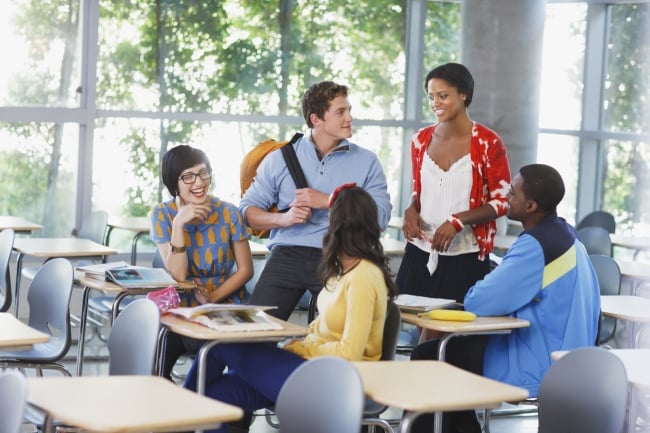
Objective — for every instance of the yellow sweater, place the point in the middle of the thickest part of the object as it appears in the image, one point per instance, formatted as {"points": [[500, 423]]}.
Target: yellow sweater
{"points": [[352, 312]]}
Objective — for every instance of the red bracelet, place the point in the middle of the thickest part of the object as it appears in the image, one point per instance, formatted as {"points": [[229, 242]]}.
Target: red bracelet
{"points": [[456, 222]]}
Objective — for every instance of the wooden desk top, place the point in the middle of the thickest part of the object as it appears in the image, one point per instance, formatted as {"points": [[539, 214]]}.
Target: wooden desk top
{"points": [[126, 404], [627, 307], [430, 386], [134, 224], [632, 242], [636, 363], [61, 247], [194, 330], [18, 224], [16, 335], [634, 270], [481, 324]]}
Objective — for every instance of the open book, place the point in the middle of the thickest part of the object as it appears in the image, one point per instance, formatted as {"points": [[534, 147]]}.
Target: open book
{"points": [[420, 304], [229, 317], [135, 277]]}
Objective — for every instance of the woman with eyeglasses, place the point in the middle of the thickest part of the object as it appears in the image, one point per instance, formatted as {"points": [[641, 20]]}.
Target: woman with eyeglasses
{"points": [[352, 311], [200, 238]]}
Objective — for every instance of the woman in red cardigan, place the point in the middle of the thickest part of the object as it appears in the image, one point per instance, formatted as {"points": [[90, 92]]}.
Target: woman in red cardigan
{"points": [[461, 180]]}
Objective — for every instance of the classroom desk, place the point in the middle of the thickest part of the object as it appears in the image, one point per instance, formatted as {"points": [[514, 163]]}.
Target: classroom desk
{"points": [[450, 329], [49, 248], [125, 404], [18, 224], [431, 386], [635, 243], [88, 284], [194, 330], [626, 307], [139, 225], [16, 335]]}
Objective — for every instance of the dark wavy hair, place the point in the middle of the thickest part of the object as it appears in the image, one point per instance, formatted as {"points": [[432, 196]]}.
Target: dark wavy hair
{"points": [[318, 97], [354, 231], [177, 159], [456, 75]]}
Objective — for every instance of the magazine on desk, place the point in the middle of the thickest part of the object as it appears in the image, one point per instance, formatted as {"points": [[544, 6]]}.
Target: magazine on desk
{"points": [[98, 270], [229, 317], [135, 277], [421, 304]]}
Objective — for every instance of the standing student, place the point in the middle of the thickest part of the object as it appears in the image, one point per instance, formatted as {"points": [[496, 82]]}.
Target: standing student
{"points": [[460, 184], [546, 277], [352, 311], [328, 159], [200, 238]]}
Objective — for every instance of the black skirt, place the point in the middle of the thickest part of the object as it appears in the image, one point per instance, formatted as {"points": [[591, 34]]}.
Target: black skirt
{"points": [[451, 280]]}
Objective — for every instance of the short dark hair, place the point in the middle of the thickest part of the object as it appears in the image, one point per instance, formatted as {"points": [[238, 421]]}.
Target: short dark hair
{"points": [[317, 98], [542, 184], [177, 159], [456, 75], [354, 231]]}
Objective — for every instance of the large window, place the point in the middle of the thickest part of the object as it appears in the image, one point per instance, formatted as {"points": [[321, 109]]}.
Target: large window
{"points": [[94, 91]]}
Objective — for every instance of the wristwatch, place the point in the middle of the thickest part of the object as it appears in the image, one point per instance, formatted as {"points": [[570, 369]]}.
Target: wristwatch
{"points": [[176, 250]]}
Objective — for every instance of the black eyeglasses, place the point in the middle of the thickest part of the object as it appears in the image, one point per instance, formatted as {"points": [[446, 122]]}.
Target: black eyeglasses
{"points": [[190, 178]]}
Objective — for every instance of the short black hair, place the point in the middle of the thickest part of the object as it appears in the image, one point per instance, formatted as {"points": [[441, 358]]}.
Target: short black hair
{"points": [[456, 75], [542, 184], [177, 159], [317, 98]]}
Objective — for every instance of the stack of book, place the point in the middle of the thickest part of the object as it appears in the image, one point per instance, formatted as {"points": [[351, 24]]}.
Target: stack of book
{"points": [[129, 277]]}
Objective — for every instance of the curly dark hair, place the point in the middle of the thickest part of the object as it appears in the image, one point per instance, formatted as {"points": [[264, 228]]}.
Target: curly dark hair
{"points": [[317, 98], [354, 232]]}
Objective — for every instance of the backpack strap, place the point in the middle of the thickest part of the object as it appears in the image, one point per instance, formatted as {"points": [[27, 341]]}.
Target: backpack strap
{"points": [[291, 159]]}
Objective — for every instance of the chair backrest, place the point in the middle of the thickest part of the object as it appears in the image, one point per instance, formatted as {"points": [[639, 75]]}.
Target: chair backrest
{"points": [[598, 219], [157, 261], [596, 240], [94, 227], [6, 246], [585, 391], [323, 395], [13, 394], [133, 338], [48, 298], [609, 281], [391, 331]]}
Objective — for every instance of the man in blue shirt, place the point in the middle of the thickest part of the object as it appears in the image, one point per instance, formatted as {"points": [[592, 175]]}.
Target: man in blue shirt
{"points": [[546, 277], [328, 160]]}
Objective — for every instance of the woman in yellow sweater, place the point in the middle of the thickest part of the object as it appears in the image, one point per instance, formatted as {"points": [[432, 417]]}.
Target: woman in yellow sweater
{"points": [[352, 312]]}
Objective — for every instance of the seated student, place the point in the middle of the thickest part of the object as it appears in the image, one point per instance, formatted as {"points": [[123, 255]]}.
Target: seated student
{"points": [[546, 277], [352, 311], [200, 238]]}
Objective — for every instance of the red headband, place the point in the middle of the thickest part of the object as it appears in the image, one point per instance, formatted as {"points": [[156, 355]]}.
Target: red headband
{"points": [[338, 189]]}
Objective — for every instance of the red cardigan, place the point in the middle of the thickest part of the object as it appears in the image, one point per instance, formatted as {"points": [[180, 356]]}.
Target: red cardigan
{"points": [[490, 177]]}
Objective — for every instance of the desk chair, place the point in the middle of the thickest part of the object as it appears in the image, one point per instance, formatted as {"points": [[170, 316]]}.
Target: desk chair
{"points": [[13, 399], [596, 240], [609, 280], [6, 246], [585, 391], [598, 218], [48, 298], [323, 395]]}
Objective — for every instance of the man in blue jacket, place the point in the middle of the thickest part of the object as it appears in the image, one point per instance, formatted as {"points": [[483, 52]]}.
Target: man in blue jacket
{"points": [[546, 277]]}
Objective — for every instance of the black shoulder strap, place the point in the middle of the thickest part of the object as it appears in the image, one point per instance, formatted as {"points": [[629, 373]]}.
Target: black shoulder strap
{"points": [[291, 159]]}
